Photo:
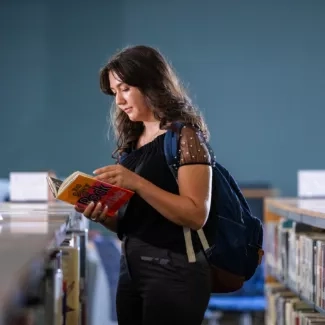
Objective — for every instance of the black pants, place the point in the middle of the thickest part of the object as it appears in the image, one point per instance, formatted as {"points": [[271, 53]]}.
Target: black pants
{"points": [[159, 287]]}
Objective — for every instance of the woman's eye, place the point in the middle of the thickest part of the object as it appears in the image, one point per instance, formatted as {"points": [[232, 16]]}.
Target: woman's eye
{"points": [[125, 89]]}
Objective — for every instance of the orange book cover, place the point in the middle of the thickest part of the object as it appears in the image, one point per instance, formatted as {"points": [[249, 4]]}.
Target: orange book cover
{"points": [[80, 189]]}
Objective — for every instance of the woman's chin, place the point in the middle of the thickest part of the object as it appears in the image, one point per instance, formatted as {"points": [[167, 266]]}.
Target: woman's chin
{"points": [[133, 118]]}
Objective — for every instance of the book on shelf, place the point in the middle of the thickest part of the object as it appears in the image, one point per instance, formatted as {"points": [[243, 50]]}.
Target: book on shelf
{"points": [[81, 189], [295, 256]]}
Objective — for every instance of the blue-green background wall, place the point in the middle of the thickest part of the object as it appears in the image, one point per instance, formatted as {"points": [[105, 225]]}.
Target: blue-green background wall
{"points": [[255, 68]]}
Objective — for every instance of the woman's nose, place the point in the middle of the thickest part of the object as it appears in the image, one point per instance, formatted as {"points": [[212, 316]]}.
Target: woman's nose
{"points": [[119, 99]]}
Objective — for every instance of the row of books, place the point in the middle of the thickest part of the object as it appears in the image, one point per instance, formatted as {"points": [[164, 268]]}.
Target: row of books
{"points": [[295, 255], [286, 308]]}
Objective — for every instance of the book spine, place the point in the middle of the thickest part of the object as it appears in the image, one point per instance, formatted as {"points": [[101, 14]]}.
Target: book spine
{"points": [[323, 276], [70, 267]]}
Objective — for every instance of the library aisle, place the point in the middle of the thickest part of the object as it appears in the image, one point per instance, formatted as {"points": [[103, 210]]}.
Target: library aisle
{"points": [[295, 261]]}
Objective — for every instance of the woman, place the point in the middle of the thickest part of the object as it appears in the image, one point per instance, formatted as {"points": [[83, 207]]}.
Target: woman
{"points": [[157, 284]]}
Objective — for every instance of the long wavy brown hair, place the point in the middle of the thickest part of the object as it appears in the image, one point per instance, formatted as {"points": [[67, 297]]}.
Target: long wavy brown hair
{"points": [[145, 68]]}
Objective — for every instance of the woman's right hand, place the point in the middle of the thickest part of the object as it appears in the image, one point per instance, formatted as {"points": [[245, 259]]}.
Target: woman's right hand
{"points": [[93, 212]]}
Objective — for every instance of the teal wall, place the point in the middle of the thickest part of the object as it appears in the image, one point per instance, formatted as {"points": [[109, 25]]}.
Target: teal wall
{"points": [[255, 68]]}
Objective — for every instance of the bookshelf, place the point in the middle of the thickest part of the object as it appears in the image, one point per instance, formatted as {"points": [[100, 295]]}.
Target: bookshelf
{"points": [[295, 261], [43, 251]]}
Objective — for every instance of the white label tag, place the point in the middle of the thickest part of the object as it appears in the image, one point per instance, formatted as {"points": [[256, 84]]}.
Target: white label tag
{"points": [[28, 186], [311, 183]]}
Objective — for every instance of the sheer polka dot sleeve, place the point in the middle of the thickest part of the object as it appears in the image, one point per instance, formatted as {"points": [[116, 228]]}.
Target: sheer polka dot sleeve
{"points": [[192, 148]]}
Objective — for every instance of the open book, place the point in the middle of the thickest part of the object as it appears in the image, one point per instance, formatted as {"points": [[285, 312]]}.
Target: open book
{"points": [[80, 189]]}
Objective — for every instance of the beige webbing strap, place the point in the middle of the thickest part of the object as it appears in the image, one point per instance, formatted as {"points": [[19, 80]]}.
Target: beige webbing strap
{"points": [[189, 245], [203, 239]]}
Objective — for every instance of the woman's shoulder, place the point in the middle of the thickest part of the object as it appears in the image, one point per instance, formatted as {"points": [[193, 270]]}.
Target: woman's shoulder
{"points": [[192, 145], [178, 126], [188, 130]]}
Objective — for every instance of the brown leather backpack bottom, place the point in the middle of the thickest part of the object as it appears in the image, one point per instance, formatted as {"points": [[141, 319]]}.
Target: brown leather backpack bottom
{"points": [[225, 282]]}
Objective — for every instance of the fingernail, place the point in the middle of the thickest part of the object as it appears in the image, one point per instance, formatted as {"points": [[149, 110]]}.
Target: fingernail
{"points": [[95, 172], [92, 203], [99, 204]]}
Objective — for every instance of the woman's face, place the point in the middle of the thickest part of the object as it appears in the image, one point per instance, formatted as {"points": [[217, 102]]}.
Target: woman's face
{"points": [[130, 100]]}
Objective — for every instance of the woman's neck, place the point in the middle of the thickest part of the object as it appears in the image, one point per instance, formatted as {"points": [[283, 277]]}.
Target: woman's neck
{"points": [[150, 132], [151, 127]]}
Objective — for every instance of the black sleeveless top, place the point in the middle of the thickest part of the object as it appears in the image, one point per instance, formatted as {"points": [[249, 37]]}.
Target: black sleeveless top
{"points": [[138, 218]]}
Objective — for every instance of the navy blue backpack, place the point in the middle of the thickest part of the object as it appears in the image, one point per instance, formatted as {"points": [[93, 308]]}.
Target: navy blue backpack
{"points": [[232, 237]]}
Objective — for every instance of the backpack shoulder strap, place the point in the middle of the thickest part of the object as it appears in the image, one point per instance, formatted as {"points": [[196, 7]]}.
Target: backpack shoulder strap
{"points": [[171, 147], [172, 156]]}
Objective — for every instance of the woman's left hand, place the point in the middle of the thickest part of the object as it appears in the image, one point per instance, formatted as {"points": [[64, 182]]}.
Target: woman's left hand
{"points": [[119, 176]]}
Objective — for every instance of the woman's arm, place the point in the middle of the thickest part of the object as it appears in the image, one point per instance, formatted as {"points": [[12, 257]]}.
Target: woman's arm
{"points": [[109, 223], [192, 206]]}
